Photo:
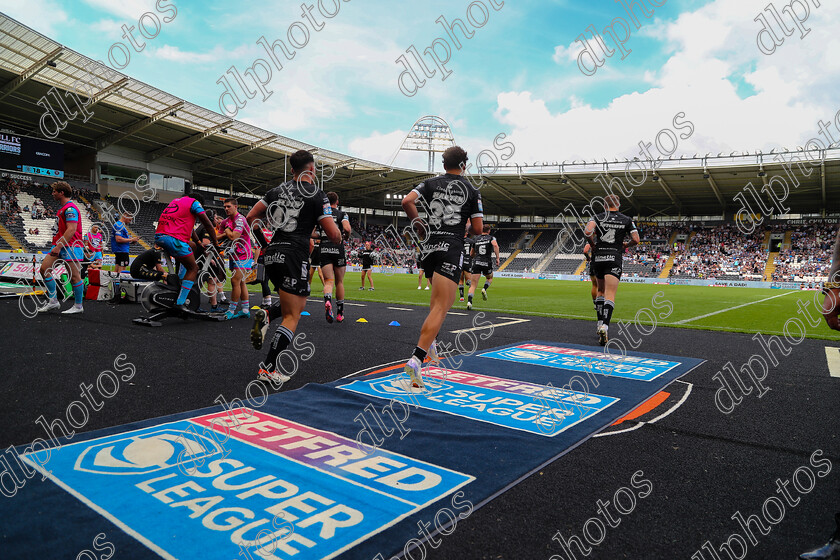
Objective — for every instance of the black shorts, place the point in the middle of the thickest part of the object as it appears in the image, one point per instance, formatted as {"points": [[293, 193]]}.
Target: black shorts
{"points": [[467, 265], [482, 268], [445, 257], [288, 270], [334, 256], [121, 259], [601, 269], [367, 267]]}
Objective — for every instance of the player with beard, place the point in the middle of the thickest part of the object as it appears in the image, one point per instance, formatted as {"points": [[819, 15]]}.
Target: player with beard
{"points": [[606, 234], [451, 201]]}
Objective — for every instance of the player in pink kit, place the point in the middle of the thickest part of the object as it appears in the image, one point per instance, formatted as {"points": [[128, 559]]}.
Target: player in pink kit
{"points": [[68, 247], [93, 243], [174, 232], [241, 255]]}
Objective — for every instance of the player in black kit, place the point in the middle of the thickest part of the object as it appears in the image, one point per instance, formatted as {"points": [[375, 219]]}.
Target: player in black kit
{"points": [[334, 261], [606, 235], [293, 209], [450, 202], [587, 254], [482, 262], [465, 274], [367, 264]]}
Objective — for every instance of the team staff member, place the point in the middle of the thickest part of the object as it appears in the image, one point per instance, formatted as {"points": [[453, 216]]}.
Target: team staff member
{"points": [[334, 261], [120, 244], [173, 233], [444, 246], [482, 264], [294, 209], [67, 246], [606, 234], [237, 230], [587, 254], [465, 273], [367, 264], [830, 310]]}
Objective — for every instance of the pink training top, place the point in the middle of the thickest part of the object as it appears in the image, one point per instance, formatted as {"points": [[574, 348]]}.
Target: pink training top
{"points": [[69, 213], [178, 219], [94, 241], [242, 246]]}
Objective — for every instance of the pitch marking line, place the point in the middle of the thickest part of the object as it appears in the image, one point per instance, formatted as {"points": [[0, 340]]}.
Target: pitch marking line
{"points": [[731, 308], [832, 356], [400, 308], [493, 326]]}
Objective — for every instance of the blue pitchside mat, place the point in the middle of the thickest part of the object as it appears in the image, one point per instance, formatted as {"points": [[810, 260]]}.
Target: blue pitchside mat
{"points": [[352, 469]]}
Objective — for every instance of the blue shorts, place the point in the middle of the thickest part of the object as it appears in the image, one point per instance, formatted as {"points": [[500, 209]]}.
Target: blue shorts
{"points": [[70, 253], [173, 246], [97, 256], [244, 264]]}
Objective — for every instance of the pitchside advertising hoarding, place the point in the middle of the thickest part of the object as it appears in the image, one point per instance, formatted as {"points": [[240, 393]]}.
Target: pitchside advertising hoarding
{"points": [[31, 155]]}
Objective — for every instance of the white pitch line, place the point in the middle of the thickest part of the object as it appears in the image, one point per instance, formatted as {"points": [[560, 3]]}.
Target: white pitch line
{"points": [[732, 308], [400, 308], [832, 356], [514, 322]]}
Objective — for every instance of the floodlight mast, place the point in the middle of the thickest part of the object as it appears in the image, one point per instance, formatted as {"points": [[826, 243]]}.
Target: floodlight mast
{"points": [[431, 134]]}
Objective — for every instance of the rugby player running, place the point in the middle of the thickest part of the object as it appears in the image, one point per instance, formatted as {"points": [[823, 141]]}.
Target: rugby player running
{"points": [[606, 235], [334, 261], [467, 265], [587, 254], [830, 310], [443, 245], [482, 263], [293, 208], [174, 232]]}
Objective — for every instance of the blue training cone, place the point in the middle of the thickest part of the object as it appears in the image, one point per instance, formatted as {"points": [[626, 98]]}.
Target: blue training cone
{"points": [[393, 324], [304, 313]]}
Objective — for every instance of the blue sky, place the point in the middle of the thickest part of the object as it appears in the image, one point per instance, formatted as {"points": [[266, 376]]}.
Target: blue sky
{"points": [[517, 75]]}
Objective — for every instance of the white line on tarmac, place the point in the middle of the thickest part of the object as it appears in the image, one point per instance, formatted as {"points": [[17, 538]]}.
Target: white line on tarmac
{"points": [[732, 308], [400, 308], [832, 356], [493, 326]]}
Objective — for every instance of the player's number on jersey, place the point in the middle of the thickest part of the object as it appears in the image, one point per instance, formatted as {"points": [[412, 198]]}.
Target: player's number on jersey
{"points": [[482, 250], [609, 237]]}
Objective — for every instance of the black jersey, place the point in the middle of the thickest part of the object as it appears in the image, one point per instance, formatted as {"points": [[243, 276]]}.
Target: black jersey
{"points": [[483, 245], [293, 210], [468, 243], [449, 201], [339, 216], [367, 257], [610, 231]]}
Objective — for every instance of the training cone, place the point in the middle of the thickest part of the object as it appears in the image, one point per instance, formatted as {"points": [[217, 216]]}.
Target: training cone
{"points": [[362, 320], [256, 307], [393, 324], [302, 313]]}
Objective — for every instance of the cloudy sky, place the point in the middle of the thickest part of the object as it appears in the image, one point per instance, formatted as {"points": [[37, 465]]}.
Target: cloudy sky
{"points": [[518, 74]]}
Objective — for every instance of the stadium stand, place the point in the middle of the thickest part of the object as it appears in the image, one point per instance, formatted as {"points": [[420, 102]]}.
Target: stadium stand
{"points": [[809, 256]]}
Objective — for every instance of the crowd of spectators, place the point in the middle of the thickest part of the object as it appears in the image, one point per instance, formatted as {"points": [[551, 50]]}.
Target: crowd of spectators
{"points": [[809, 254], [721, 251], [9, 208]]}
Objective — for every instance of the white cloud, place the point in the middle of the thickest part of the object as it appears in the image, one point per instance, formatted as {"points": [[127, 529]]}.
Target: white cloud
{"points": [[712, 50], [130, 10], [563, 54], [31, 13], [294, 108]]}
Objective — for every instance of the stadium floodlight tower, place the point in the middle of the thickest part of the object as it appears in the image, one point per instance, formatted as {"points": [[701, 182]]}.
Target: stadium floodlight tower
{"points": [[430, 134]]}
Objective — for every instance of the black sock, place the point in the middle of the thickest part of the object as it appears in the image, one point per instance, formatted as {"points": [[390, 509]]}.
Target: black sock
{"points": [[599, 307], [486, 286], [419, 353], [281, 339], [274, 312], [328, 297], [340, 304], [469, 298], [609, 306], [595, 305], [461, 289]]}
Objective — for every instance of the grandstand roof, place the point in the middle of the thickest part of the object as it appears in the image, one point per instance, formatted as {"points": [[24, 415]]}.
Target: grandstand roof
{"points": [[222, 152]]}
